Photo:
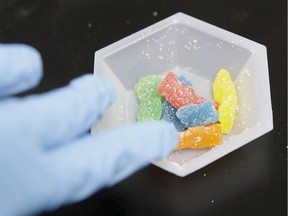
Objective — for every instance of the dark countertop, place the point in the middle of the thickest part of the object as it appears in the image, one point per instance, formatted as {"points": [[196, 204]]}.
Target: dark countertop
{"points": [[249, 181]]}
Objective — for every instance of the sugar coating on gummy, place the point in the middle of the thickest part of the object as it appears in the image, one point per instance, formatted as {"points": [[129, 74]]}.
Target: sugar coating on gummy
{"points": [[150, 101], [147, 87], [169, 114], [178, 93], [225, 93], [200, 137], [198, 114], [183, 79], [149, 109]]}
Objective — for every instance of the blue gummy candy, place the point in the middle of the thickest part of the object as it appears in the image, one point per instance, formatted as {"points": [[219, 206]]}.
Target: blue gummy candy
{"points": [[183, 79], [198, 114], [169, 114]]}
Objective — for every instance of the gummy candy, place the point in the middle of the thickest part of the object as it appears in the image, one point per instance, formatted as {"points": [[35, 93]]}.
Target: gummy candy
{"points": [[224, 92], [169, 114], [183, 79], [147, 87], [182, 107], [178, 93], [198, 114], [149, 109], [150, 101], [200, 137], [216, 104]]}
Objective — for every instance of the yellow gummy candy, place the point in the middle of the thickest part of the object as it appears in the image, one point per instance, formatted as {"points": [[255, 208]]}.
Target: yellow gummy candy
{"points": [[224, 92]]}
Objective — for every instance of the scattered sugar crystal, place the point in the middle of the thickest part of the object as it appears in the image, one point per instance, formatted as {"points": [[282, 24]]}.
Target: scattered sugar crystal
{"points": [[155, 13]]}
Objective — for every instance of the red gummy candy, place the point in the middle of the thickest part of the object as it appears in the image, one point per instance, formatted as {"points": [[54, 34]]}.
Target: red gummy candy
{"points": [[178, 93], [216, 104]]}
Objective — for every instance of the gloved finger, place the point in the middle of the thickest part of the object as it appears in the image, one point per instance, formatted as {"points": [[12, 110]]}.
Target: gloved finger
{"points": [[20, 68], [106, 158], [60, 115]]}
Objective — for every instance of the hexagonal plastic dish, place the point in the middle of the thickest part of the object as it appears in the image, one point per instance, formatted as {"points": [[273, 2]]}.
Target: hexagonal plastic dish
{"points": [[197, 50]]}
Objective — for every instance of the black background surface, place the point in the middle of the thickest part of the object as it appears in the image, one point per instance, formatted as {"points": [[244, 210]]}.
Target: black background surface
{"points": [[249, 181]]}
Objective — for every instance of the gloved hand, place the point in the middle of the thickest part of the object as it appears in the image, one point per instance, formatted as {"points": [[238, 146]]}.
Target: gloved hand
{"points": [[47, 158]]}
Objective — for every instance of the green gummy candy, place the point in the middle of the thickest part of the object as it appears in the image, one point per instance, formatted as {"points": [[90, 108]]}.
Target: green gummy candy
{"points": [[149, 109], [147, 87], [150, 100]]}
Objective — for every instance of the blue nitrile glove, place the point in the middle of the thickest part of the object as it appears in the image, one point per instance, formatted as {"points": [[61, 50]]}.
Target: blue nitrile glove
{"points": [[47, 158]]}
